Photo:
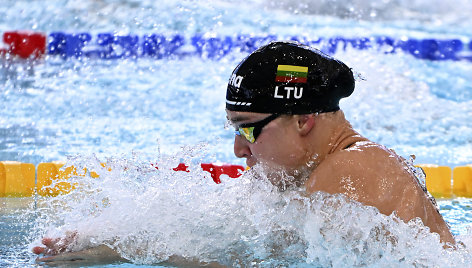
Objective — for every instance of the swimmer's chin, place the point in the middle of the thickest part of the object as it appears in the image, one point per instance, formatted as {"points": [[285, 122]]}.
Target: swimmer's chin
{"points": [[250, 162]]}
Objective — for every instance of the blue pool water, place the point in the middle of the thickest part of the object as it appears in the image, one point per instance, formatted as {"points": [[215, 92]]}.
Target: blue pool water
{"points": [[134, 111]]}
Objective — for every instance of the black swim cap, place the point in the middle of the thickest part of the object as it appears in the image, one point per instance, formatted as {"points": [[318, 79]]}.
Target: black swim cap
{"points": [[288, 78]]}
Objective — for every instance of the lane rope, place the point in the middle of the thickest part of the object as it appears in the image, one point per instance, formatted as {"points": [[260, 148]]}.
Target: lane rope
{"points": [[27, 44]]}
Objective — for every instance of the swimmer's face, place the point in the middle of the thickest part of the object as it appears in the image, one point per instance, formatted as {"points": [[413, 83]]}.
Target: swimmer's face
{"points": [[278, 145]]}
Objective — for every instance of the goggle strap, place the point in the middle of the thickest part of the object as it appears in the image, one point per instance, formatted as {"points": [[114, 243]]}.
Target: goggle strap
{"points": [[261, 123]]}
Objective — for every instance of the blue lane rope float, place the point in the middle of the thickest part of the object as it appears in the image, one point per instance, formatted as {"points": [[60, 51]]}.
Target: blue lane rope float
{"points": [[117, 46]]}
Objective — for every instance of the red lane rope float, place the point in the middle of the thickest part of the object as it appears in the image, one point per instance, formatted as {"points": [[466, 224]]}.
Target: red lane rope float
{"points": [[215, 170], [26, 44]]}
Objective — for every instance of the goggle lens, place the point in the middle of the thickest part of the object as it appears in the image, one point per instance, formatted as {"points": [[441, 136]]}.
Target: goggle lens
{"points": [[246, 132], [251, 131]]}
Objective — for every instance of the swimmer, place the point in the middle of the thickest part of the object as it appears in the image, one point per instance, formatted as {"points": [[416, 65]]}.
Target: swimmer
{"points": [[283, 101]]}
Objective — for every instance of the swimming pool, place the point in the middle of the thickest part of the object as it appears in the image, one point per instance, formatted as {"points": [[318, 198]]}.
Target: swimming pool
{"points": [[142, 109]]}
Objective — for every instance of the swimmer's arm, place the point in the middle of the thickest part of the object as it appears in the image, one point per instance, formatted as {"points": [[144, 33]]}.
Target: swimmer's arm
{"points": [[92, 256], [99, 255], [183, 262], [105, 255]]}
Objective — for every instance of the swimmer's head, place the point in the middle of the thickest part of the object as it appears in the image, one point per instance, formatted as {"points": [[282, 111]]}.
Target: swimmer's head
{"points": [[288, 78]]}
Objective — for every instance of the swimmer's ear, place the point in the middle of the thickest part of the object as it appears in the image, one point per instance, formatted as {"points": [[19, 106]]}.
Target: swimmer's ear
{"points": [[306, 122]]}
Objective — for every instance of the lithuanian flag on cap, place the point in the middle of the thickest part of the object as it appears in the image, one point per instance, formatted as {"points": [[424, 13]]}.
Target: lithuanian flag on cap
{"points": [[291, 74]]}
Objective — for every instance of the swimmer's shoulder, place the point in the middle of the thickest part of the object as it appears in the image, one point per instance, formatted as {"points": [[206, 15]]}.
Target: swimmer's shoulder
{"points": [[366, 155], [376, 176], [358, 170]]}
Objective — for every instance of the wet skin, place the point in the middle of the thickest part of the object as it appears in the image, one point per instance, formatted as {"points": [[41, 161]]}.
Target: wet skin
{"points": [[339, 160]]}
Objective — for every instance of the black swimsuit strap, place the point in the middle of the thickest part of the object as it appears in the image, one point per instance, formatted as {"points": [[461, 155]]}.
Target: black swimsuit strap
{"points": [[351, 144]]}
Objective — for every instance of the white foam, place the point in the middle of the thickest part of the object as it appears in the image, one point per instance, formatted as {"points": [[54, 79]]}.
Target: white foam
{"points": [[149, 215]]}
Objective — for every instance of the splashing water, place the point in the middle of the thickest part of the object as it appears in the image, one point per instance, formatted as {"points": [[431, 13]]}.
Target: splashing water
{"points": [[150, 214]]}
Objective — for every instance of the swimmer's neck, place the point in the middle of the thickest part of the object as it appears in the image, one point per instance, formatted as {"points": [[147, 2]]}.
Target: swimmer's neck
{"points": [[332, 133]]}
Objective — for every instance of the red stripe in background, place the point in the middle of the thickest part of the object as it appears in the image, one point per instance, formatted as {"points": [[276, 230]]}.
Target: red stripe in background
{"points": [[290, 79]]}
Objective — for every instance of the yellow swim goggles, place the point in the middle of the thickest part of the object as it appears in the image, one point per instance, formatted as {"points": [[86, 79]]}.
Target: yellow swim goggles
{"points": [[251, 131]]}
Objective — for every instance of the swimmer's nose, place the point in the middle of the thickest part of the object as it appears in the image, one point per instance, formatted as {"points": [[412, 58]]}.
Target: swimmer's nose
{"points": [[241, 148]]}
